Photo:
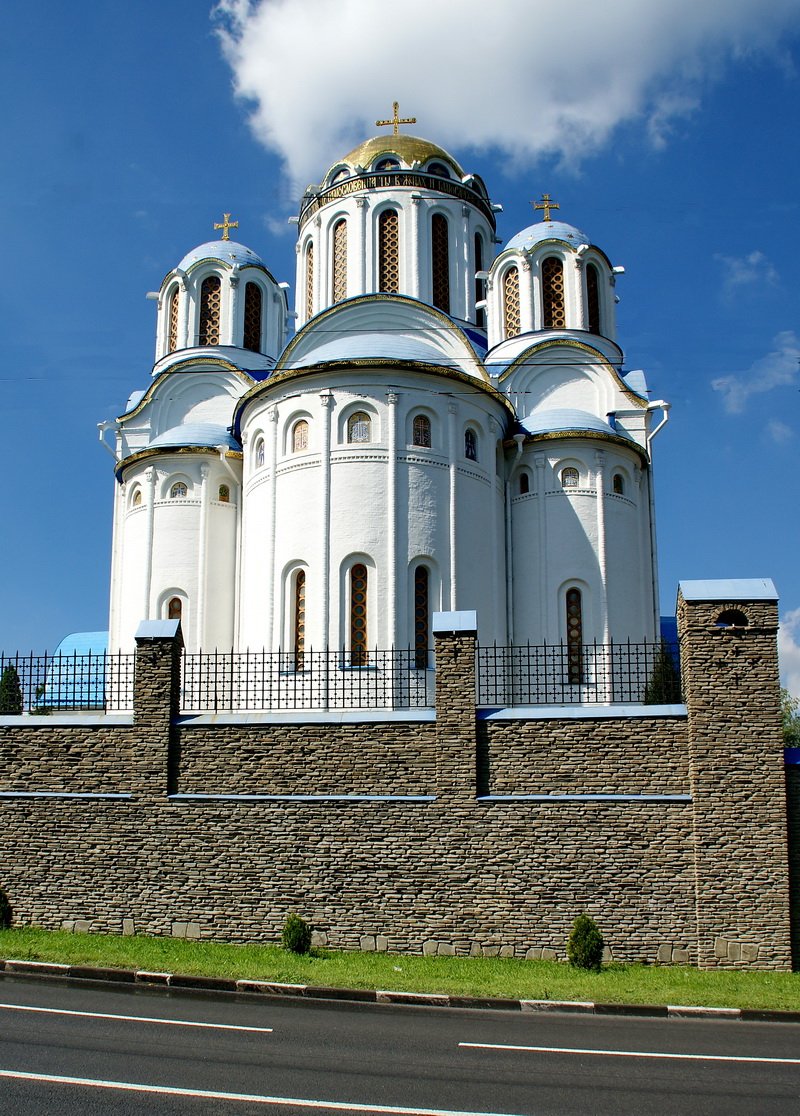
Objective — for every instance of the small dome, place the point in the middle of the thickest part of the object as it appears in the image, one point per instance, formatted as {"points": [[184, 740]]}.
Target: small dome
{"points": [[563, 419], [194, 434], [408, 149], [226, 251], [547, 230]]}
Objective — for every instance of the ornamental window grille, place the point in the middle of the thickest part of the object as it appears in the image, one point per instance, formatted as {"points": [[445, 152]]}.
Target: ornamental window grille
{"points": [[173, 321], [421, 431], [570, 477], [358, 615], [174, 608], [574, 637], [470, 445], [340, 260], [593, 298], [253, 302], [300, 436], [421, 616], [299, 619], [618, 484], [480, 284], [553, 311], [358, 428], [440, 262], [309, 280], [259, 454], [511, 316], [389, 251], [178, 491], [224, 494], [210, 302], [524, 484]]}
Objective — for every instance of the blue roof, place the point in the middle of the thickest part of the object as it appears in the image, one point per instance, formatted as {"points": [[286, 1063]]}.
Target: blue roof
{"points": [[195, 434], [229, 251], [547, 230], [731, 589], [563, 418], [382, 345]]}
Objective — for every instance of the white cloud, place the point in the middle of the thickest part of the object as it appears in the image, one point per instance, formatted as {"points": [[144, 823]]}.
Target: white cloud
{"points": [[779, 368], [742, 271], [789, 651], [513, 75], [779, 432]]}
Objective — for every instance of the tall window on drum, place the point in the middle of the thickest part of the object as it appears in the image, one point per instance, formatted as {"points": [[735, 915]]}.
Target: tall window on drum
{"points": [[358, 615], [440, 263], [574, 637], [309, 280], [511, 315], [553, 312], [173, 321], [299, 619], [174, 609], [389, 252], [421, 617], [339, 260], [593, 298], [480, 284], [210, 296], [252, 317]]}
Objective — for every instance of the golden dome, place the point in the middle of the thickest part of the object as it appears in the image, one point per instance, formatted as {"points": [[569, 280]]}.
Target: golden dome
{"points": [[408, 149]]}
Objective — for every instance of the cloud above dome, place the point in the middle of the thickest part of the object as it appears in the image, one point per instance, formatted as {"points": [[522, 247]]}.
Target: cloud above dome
{"points": [[317, 75]]}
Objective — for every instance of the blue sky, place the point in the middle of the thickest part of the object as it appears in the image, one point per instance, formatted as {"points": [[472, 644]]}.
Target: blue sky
{"points": [[671, 143]]}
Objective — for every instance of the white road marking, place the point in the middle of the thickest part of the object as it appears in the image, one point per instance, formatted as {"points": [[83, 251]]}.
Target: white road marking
{"points": [[136, 1018], [632, 1053], [250, 1098]]}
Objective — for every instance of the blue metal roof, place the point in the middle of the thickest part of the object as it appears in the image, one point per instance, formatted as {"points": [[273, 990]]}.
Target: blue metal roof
{"points": [[229, 251], [195, 434], [381, 345], [563, 418], [730, 589], [547, 230]]}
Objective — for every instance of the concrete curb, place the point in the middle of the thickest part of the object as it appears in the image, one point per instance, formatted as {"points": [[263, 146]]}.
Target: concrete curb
{"points": [[270, 989]]}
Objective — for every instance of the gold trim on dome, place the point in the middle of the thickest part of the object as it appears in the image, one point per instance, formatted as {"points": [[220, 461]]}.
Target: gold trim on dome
{"points": [[410, 149], [564, 342], [168, 451], [598, 435], [218, 362]]}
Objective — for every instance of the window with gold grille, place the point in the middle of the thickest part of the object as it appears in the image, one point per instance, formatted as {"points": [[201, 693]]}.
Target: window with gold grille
{"points": [[570, 477], [592, 298], [174, 608], [309, 280], [358, 615], [178, 491], [137, 498], [299, 619], [480, 284], [440, 262], [421, 617], [574, 637], [389, 251], [421, 431], [553, 312], [252, 317], [511, 302], [173, 321], [224, 494], [340, 260], [210, 301], [358, 427], [300, 436]]}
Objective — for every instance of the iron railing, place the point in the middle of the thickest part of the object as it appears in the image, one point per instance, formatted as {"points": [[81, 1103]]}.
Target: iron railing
{"points": [[46, 683], [287, 680], [593, 674]]}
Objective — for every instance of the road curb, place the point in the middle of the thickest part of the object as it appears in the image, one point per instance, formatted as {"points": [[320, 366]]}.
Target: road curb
{"points": [[269, 989]]}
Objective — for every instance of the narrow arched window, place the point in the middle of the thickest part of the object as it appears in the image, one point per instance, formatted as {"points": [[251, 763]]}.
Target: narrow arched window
{"points": [[389, 251], [470, 445], [570, 477], [358, 427], [174, 608], [178, 491], [592, 298], [358, 615], [553, 313], [299, 619], [224, 494], [259, 454], [574, 637], [300, 436], [480, 284], [309, 280], [421, 617], [524, 484], [618, 484], [173, 320], [252, 317], [137, 498], [440, 263], [210, 301], [511, 318], [340, 260], [421, 431]]}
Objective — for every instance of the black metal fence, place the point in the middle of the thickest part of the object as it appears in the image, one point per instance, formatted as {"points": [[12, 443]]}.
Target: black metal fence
{"points": [[279, 680], [593, 674], [46, 683]]}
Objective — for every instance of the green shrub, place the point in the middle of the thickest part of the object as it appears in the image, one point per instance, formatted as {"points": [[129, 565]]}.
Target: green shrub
{"points": [[296, 936], [5, 911], [585, 944], [664, 685], [10, 691]]}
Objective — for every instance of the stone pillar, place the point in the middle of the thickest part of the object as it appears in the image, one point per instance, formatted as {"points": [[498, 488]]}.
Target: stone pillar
{"points": [[156, 705], [454, 641], [729, 664]]}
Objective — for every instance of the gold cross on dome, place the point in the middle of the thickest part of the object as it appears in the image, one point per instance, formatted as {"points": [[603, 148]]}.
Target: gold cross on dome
{"points": [[546, 205], [396, 120], [227, 224]]}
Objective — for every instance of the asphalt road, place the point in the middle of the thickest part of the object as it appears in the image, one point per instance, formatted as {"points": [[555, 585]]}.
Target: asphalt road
{"points": [[69, 1049]]}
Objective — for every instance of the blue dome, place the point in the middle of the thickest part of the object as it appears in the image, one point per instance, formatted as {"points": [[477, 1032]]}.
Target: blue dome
{"points": [[227, 251], [195, 434], [564, 419], [547, 230]]}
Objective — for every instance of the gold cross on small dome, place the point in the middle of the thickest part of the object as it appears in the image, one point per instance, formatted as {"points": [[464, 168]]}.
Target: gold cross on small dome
{"points": [[396, 120], [546, 205], [227, 224]]}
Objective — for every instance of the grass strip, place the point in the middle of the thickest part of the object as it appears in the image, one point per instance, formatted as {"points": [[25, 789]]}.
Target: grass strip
{"points": [[464, 976]]}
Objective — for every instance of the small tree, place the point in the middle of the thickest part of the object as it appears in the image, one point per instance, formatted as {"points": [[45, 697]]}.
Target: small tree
{"points": [[10, 691], [5, 911], [296, 936], [585, 944], [790, 720], [664, 684]]}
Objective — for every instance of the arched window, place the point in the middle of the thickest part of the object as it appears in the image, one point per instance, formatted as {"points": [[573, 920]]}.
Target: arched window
{"points": [[553, 313], [299, 619], [732, 618], [421, 431], [358, 615], [439, 169], [210, 296], [300, 436], [358, 427], [470, 444], [574, 637], [309, 280], [137, 498], [259, 454], [592, 298], [340, 260], [524, 484], [511, 318], [480, 284], [224, 494], [174, 608], [387, 165], [389, 251], [252, 317], [173, 320], [178, 491], [440, 263], [421, 617], [570, 477], [618, 484]]}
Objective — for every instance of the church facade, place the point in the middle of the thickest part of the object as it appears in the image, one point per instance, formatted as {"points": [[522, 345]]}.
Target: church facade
{"points": [[447, 426]]}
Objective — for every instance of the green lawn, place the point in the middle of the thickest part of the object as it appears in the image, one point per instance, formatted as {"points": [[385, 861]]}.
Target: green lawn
{"points": [[466, 976]]}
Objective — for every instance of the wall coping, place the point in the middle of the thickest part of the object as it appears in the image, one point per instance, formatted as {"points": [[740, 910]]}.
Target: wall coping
{"points": [[731, 589], [49, 720], [302, 798], [308, 717], [579, 712], [584, 798], [463, 622]]}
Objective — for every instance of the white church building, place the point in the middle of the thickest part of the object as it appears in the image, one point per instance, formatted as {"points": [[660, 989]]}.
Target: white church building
{"points": [[441, 424]]}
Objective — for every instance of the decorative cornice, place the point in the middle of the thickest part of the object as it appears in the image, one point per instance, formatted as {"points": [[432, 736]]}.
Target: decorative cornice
{"points": [[164, 451]]}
